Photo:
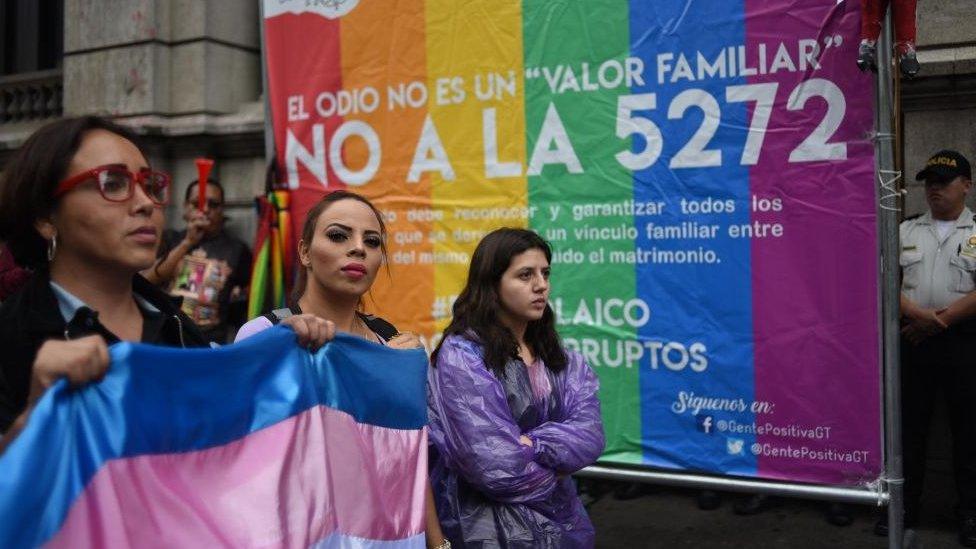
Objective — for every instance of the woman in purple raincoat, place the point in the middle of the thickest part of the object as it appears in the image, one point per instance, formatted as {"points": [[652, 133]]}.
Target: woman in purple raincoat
{"points": [[512, 413]]}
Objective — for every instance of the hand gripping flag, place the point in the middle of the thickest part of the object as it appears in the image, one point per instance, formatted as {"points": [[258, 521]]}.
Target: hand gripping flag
{"points": [[259, 444]]}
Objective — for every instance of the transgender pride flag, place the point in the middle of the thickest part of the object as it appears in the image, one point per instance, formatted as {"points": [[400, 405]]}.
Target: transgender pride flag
{"points": [[259, 444]]}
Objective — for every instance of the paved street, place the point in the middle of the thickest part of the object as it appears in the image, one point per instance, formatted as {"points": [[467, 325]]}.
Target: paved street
{"points": [[670, 518]]}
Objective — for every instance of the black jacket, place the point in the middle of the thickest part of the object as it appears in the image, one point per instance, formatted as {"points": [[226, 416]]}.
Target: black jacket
{"points": [[31, 316]]}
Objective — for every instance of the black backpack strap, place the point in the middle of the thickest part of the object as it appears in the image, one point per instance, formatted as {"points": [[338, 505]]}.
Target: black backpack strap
{"points": [[379, 326], [277, 315]]}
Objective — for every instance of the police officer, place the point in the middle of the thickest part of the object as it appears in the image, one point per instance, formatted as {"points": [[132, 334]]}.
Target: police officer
{"points": [[938, 309]]}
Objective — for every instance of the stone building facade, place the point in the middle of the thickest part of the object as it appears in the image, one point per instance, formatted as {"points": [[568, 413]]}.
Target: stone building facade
{"points": [[185, 73], [939, 107]]}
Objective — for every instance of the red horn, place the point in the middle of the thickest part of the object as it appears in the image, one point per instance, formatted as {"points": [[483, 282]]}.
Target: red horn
{"points": [[204, 165]]}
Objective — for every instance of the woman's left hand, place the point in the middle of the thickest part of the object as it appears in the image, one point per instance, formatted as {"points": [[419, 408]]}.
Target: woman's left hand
{"points": [[405, 340], [312, 331]]}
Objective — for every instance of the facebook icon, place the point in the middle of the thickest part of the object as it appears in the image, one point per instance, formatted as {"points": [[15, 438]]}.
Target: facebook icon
{"points": [[704, 424]]}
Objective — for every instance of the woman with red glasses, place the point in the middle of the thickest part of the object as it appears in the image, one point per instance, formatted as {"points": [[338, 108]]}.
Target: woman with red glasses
{"points": [[81, 207]]}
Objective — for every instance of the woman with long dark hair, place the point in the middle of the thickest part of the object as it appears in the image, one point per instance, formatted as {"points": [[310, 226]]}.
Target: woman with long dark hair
{"points": [[512, 413], [341, 250]]}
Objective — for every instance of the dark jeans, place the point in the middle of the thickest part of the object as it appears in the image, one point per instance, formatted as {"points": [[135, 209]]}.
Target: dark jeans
{"points": [[943, 366]]}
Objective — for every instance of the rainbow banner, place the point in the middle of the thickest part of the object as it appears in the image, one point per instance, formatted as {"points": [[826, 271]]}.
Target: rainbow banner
{"points": [[258, 444], [703, 170]]}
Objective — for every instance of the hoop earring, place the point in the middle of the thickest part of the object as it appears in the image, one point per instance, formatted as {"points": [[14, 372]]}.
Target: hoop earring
{"points": [[52, 248]]}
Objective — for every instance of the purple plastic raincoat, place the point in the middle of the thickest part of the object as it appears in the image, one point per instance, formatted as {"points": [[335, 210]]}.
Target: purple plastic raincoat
{"points": [[490, 490]]}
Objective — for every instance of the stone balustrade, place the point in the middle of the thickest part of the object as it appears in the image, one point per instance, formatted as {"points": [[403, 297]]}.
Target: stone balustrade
{"points": [[31, 96]]}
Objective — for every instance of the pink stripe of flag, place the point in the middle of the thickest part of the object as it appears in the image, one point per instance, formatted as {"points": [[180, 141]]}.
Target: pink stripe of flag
{"points": [[316, 476]]}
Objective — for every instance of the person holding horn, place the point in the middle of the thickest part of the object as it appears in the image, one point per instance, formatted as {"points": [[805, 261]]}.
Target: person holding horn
{"points": [[204, 265]]}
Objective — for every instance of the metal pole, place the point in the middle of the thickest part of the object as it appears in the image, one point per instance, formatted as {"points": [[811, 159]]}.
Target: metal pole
{"points": [[268, 130], [753, 486], [888, 210]]}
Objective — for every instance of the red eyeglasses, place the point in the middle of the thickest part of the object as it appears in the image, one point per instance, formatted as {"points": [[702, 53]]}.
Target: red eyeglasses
{"points": [[116, 183]]}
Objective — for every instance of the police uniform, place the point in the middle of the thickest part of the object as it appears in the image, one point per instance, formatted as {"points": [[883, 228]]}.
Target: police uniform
{"points": [[936, 271]]}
